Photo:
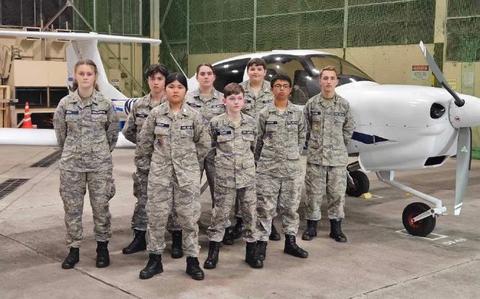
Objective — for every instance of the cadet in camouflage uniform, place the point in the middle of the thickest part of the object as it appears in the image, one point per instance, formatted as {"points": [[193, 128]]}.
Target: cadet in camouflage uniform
{"points": [[156, 75], [209, 102], [281, 136], [86, 128], [257, 95], [330, 127], [172, 142], [233, 136]]}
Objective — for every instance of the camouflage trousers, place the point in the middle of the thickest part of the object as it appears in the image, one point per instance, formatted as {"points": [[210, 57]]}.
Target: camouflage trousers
{"points": [[328, 181], [139, 218], [101, 188], [209, 166], [165, 196], [225, 202], [277, 194]]}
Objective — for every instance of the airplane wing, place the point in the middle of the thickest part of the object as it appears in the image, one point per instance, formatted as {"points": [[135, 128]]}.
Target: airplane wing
{"points": [[45, 137]]}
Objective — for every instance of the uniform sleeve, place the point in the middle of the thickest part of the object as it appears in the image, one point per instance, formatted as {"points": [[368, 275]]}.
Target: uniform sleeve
{"points": [[213, 133], [59, 124], [144, 149], [201, 138], [302, 131], [308, 121], [259, 137], [130, 128], [348, 125], [112, 127]]}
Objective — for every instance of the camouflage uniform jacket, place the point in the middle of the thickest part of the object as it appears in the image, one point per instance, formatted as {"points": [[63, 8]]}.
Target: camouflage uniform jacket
{"points": [[253, 104], [281, 136], [87, 131], [140, 110], [172, 142], [330, 126], [208, 107], [234, 159]]}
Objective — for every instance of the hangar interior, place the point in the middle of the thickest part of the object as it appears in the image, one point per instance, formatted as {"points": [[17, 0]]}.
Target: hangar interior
{"points": [[378, 36]]}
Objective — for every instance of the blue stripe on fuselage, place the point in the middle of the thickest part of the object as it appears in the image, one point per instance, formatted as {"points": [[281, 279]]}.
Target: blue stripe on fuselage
{"points": [[367, 139]]}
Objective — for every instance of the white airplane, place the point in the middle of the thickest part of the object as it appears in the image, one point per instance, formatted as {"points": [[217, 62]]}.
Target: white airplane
{"points": [[81, 46], [398, 127]]}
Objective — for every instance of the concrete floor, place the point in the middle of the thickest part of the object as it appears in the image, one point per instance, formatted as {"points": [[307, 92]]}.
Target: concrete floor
{"points": [[377, 262]]}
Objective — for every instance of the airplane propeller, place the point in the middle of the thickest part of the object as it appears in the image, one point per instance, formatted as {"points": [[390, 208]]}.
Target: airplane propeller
{"points": [[464, 139]]}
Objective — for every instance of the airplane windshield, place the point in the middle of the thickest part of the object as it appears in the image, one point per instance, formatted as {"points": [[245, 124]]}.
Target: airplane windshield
{"points": [[348, 72]]}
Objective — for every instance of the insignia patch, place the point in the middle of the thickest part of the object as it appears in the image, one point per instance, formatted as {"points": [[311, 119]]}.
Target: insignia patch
{"points": [[224, 132], [339, 114], [316, 112], [186, 127], [142, 115], [71, 112], [292, 122], [271, 122], [162, 125]]}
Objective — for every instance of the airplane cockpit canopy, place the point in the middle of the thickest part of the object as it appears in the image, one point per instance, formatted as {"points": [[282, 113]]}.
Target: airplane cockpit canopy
{"points": [[304, 71]]}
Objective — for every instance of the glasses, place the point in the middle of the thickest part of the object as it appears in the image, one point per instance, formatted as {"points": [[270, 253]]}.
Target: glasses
{"points": [[284, 86]]}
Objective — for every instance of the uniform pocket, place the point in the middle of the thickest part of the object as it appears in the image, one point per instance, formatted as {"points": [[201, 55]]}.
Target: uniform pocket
{"points": [[224, 138]]}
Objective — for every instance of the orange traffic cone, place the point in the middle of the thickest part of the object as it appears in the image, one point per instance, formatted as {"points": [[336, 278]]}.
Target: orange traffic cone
{"points": [[27, 119]]}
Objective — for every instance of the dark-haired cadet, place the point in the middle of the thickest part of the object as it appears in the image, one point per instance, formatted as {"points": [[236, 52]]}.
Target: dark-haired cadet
{"points": [[172, 142], [86, 127], [156, 75], [281, 136], [209, 102], [233, 136]]}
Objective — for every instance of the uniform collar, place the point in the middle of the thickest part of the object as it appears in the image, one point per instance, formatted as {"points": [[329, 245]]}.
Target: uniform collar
{"points": [[92, 100], [265, 87], [215, 95], [328, 103], [165, 110], [273, 109], [230, 123]]}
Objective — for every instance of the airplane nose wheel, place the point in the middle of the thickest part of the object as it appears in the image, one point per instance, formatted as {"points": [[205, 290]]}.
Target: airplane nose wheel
{"points": [[422, 227], [358, 184]]}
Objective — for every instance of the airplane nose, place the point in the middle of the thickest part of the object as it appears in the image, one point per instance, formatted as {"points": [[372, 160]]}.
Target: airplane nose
{"points": [[466, 116]]}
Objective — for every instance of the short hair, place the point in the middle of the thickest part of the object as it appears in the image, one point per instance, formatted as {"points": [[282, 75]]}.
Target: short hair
{"points": [[232, 88], [328, 68], [280, 76], [176, 77], [257, 61], [207, 65], [155, 69]]}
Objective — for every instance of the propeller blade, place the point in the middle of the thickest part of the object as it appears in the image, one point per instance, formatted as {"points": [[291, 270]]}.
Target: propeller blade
{"points": [[439, 75], [464, 152]]}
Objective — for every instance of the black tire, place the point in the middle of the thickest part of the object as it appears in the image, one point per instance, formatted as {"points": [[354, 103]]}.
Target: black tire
{"points": [[361, 184], [420, 228]]}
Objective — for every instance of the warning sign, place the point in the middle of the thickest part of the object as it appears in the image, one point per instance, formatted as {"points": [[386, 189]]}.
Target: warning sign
{"points": [[420, 71]]}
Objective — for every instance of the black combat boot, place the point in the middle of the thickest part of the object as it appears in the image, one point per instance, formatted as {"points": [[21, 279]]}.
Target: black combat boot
{"points": [[177, 251], [238, 228], [138, 243], [212, 259], [311, 230], [228, 236], [292, 248], [193, 268], [154, 266], [336, 231], [262, 250], [274, 235], [251, 256], [72, 258], [103, 259]]}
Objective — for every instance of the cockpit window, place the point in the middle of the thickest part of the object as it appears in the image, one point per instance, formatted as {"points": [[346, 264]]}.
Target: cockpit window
{"points": [[231, 71], [348, 73]]}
